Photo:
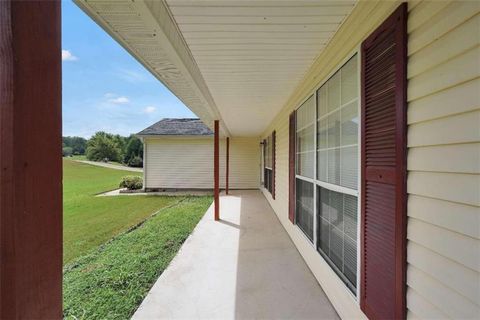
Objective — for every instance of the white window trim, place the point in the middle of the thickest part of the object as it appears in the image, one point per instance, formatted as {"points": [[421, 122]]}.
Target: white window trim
{"points": [[357, 193]]}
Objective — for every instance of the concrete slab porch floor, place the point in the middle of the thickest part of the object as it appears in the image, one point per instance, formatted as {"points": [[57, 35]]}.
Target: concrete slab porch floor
{"points": [[242, 267]]}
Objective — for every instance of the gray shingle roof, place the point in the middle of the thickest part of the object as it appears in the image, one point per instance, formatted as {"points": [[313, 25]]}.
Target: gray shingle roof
{"points": [[177, 127]]}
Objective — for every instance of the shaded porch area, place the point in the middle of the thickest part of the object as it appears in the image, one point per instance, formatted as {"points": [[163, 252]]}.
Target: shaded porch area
{"points": [[243, 266]]}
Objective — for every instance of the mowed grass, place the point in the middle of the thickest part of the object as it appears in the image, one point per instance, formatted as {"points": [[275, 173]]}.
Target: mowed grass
{"points": [[111, 282], [90, 221]]}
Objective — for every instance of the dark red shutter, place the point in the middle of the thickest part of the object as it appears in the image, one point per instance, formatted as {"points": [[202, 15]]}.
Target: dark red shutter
{"points": [[383, 169], [273, 163], [291, 167], [264, 150]]}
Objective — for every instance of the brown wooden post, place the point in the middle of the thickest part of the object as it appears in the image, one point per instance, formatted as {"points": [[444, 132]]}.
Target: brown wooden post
{"points": [[30, 160], [216, 172], [227, 165]]}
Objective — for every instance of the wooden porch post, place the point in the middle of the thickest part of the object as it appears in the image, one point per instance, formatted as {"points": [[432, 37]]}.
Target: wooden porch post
{"points": [[216, 172], [227, 165], [30, 160]]}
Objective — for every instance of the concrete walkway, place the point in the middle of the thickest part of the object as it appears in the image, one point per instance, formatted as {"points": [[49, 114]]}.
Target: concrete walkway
{"points": [[243, 267], [111, 166]]}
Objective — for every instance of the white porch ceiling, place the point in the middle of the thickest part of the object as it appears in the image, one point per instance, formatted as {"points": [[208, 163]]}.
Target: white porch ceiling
{"points": [[237, 61]]}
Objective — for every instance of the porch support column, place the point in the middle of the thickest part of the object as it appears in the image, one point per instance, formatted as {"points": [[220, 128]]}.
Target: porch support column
{"points": [[30, 160], [216, 171], [227, 165]]}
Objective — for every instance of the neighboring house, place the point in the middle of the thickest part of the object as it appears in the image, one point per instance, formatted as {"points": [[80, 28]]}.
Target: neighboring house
{"points": [[365, 119], [178, 154]]}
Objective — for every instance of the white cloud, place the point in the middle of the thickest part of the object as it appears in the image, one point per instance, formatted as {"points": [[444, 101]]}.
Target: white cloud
{"points": [[149, 109], [68, 56], [109, 95], [119, 100]]}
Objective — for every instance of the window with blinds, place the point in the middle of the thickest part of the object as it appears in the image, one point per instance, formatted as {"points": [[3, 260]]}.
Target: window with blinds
{"points": [[305, 165], [326, 143], [337, 171], [268, 170]]}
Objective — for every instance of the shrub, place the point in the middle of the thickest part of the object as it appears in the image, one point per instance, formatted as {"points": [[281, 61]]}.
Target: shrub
{"points": [[132, 182], [135, 162]]}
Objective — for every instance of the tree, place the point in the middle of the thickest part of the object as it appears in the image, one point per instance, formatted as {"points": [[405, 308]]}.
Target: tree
{"points": [[78, 144], [67, 151], [133, 155], [103, 146]]}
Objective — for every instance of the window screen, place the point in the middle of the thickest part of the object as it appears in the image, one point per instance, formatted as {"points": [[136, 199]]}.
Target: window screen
{"points": [[305, 166], [337, 232], [304, 207], [337, 123], [326, 170], [337, 164], [306, 138]]}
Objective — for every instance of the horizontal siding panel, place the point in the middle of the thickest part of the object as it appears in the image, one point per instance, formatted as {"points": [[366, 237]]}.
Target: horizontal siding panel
{"points": [[462, 68], [456, 217], [441, 23], [244, 163], [461, 128], [188, 163], [443, 116], [451, 274], [422, 307], [452, 44], [423, 12], [460, 248], [446, 300], [453, 158], [446, 102], [461, 188]]}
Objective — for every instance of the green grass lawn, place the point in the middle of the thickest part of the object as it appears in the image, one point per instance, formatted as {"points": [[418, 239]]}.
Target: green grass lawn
{"points": [[90, 221], [116, 247], [78, 157], [111, 282]]}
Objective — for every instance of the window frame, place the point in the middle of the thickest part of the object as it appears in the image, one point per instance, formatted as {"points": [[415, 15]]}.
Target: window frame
{"points": [[269, 153], [317, 183]]}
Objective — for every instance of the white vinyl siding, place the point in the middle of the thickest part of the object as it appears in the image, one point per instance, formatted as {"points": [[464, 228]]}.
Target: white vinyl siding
{"points": [[244, 163], [443, 274], [443, 156], [183, 163]]}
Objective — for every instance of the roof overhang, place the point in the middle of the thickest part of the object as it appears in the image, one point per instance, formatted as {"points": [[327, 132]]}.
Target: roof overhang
{"points": [[229, 60]]}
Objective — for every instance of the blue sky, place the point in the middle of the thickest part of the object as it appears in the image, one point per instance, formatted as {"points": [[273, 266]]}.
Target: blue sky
{"points": [[104, 88]]}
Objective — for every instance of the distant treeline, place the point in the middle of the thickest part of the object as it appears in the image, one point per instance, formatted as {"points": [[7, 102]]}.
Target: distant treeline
{"points": [[104, 146]]}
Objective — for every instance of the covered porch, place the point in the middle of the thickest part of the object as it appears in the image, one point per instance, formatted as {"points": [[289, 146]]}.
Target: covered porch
{"points": [[245, 266]]}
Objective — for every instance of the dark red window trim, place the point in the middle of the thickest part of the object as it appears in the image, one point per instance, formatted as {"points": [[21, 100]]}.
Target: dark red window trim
{"points": [[388, 177]]}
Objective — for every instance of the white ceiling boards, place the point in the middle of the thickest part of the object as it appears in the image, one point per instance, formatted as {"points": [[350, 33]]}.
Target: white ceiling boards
{"points": [[238, 61]]}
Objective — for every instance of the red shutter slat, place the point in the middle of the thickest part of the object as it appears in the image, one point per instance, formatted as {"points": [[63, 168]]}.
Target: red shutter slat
{"points": [[273, 163], [291, 167], [383, 170]]}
